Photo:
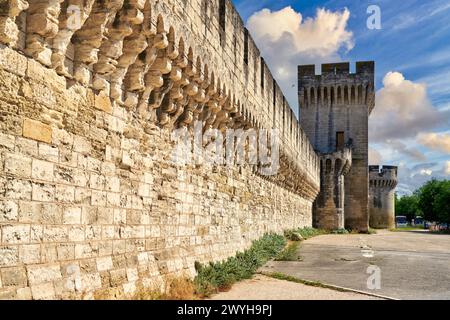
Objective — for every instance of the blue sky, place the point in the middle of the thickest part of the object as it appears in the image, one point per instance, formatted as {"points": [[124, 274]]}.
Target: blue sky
{"points": [[413, 42]]}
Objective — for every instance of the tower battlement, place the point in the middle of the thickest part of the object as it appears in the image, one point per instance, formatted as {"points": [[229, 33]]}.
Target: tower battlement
{"points": [[337, 69], [383, 176], [336, 84]]}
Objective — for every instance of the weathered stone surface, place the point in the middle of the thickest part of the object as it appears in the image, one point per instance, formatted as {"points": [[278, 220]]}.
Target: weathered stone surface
{"points": [[89, 196], [382, 183], [37, 131], [334, 111]]}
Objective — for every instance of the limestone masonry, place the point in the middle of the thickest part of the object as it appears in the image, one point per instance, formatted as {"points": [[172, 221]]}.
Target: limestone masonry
{"points": [[383, 181], [90, 201], [334, 112]]}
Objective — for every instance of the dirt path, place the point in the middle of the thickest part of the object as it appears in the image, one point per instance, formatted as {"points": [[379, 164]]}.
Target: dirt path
{"points": [[266, 288]]}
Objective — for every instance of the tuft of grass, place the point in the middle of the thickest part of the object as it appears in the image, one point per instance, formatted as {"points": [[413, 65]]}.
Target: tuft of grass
{"points": [[282, 276], [305, 233], [340, 231], [222, 275], [289, 253], [406, 229]]}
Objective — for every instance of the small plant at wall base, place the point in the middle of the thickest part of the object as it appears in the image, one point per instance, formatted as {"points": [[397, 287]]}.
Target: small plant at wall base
{"points": [[289, 253], [221, 275], [303, 233]]}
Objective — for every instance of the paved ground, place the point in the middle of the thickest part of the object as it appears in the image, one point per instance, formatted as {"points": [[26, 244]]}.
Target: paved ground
{"points": [[413, 265], [265, 288]]}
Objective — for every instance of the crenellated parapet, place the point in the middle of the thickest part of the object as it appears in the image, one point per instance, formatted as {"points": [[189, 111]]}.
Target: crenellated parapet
{"points": [[382, 183], [337, 85], [165, 66], [383, 177]]}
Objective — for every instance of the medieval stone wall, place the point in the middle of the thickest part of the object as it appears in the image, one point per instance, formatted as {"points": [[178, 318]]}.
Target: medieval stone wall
{"points": [[90, 200]]}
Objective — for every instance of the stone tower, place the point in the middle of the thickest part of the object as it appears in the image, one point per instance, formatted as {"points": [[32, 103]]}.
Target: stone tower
{"points": [[383, 181], [334, 112]]}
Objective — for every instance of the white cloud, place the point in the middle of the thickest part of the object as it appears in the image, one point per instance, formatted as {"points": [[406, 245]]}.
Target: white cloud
{"points": [[425, 172], [434, 141], [375, 157], [403, 109], [413, 177], [447, 168], [286, 40]]}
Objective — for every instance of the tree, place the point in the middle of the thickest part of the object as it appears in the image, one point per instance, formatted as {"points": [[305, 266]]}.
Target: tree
{"points": [[434, 200], [442, 202], [407, 206]]}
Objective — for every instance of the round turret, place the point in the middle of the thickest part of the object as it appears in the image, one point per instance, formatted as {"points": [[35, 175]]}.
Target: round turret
{"points": [[382, 183]]}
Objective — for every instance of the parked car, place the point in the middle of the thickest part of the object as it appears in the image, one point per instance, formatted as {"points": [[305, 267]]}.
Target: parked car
{"points": [[401, 221], [418, 222]]}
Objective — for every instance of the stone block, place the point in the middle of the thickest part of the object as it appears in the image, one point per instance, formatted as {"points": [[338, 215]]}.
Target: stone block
{"points": [[15, 234], [43, 192], [72, 215], [9, 256], [65, 251], [118, 277], [48, 152], [42, 170], [18, 165], [76, 233], [15, 276], [98, 198], [104, 264], [30, 212], [7, 141], [105, 216], [8, 211], [94, 233], [24, 294], [27, 147], [55, 234], [12, 61], [64, 194], [37, 131], [81, 145], [91, 282], [45, 291], [51, 213], [18, 189], [120, 216], [38, 274], [103, 102], [30, 253]]}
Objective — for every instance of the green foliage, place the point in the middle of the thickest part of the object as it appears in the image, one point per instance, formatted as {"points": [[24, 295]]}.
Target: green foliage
{"points": [[340, 231], [442, 202], [221, 275], [434, 200], [407, 206], [305, 233], [289, 253]]}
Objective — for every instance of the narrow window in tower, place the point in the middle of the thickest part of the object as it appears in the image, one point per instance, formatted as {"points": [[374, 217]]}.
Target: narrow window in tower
{"points": [[340, 141], [274, 93], [262, 73], [245, 46], [222, 19]]}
